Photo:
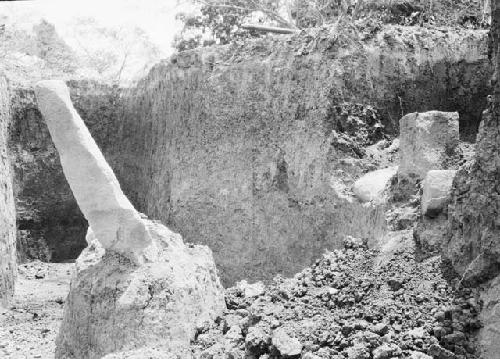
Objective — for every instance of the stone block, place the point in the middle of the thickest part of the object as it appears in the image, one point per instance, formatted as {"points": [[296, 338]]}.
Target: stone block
{"points": [[371, 186], [427, 141], [436, 193]]}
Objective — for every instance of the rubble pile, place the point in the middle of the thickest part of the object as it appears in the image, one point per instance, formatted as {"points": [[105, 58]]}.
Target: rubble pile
{"points": [[353, 303]]}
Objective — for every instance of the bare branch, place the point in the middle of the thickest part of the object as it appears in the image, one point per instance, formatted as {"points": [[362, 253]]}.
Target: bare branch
{"points": [[276, 30], [119, 74]]}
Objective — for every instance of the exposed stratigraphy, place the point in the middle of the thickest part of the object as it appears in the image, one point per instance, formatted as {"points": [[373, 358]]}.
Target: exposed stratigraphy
{"points": [[248, 147], [7, 212], [473, 246]]}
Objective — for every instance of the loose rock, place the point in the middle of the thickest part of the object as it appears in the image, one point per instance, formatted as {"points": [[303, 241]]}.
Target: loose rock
{"points": [[286, 345], [436, 191], [372, 185]]}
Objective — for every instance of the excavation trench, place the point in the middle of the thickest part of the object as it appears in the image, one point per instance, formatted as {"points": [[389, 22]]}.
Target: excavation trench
{"points": [[250, 149]]}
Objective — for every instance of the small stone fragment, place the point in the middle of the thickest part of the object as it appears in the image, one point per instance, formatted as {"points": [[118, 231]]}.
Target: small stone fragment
{"points": [[438, 352], [386, 351], [286, 345], [372, 185], [257, 340], [358, 351], [251, 290], [380, 328], [417, 333], [395, 284], [419, 355]]}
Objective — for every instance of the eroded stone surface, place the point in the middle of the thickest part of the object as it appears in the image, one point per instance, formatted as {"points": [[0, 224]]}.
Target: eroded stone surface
{"points": [[110, 214], [427, 140], [372, 185], [436, 191], [51, 226]]}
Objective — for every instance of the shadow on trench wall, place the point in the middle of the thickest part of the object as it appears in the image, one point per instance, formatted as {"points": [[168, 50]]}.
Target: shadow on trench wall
{"points": [[50, 226]]}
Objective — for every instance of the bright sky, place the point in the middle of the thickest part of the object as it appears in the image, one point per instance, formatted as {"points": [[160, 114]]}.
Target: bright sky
{"points": [[155, 17]]}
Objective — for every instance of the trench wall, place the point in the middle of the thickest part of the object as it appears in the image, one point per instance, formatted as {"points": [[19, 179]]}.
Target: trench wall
{"points": [[7, 211], [234, 147]]}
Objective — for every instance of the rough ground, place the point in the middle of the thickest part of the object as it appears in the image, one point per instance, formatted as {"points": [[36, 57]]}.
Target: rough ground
{"points": [[28, 328], [352, 303]]}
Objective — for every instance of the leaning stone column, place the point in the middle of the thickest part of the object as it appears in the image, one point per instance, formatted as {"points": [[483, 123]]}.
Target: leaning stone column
{"points": [[137, 288]]}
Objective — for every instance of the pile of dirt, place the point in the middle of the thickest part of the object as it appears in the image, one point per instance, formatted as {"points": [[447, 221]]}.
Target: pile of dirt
{"points": [[353, 303]]}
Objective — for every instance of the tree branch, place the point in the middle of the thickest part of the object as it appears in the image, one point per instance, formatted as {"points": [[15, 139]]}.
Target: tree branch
{"points": [[256, 7], [276, 30]]}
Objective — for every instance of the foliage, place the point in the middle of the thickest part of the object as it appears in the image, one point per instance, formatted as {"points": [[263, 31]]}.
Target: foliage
{"points": [[219, 21], [314, 13], [112, 51], [89, 50], [29, 55], [52, 49]]}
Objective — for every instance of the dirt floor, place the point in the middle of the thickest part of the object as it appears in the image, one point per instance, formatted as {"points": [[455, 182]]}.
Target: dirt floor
{"points": [[28, 328]]}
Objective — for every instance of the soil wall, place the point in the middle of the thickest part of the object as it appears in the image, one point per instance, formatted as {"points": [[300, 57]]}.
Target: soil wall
{"points": [[237, 147], [7, 211], [473, 247]]}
